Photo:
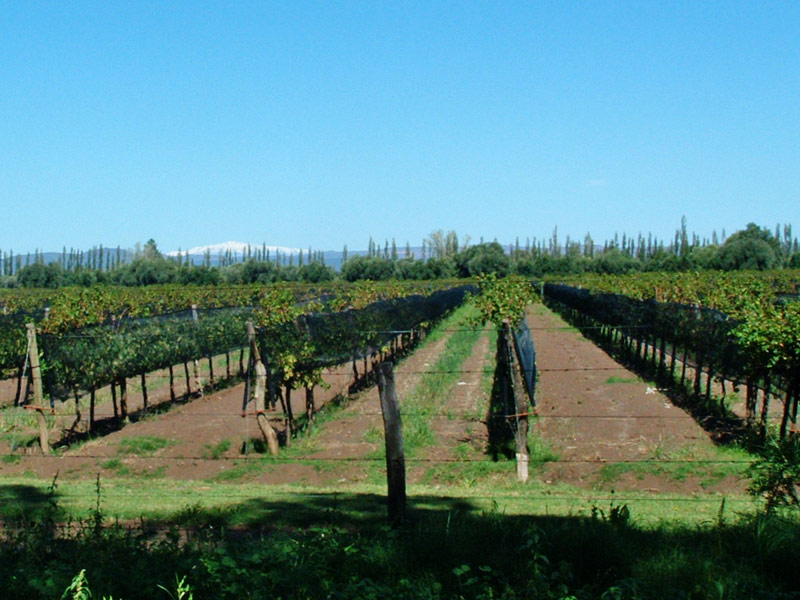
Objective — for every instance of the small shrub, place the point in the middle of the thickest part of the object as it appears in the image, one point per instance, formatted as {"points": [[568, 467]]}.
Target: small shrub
{"points": [[776, 474]]}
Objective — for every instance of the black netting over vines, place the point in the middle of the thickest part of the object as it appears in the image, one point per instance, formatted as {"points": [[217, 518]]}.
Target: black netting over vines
{"points": [[95, 356], [527, 356], [705, 332], [337, 337], [92, 357]]}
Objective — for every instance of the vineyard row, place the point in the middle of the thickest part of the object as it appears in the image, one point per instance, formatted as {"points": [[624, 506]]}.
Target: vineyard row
{"points": [[759, 350]]}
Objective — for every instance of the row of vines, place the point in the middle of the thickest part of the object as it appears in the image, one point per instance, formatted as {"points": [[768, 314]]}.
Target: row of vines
{"points": [[741, 327], [89, 316], [91, 338]]}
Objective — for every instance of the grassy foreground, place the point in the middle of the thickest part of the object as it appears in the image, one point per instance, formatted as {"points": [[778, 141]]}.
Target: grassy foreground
{"points": [[250, 542]]}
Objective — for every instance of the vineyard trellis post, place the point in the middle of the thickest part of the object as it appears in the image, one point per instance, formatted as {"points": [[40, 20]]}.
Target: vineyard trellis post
{"points": [[197, 380], [393, 435], [38, 396], [270, 437]]}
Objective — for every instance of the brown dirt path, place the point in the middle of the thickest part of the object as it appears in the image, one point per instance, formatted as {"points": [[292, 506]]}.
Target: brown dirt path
{"points": [[595, 413]]}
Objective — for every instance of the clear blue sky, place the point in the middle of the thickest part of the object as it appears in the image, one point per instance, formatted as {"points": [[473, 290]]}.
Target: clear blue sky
{"points": [[297, 123]]}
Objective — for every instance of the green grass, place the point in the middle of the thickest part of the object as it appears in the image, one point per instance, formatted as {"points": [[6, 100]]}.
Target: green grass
{"points": [[478, 486], [116, 465], [373, 435], [216, 451], [243, 469], [618, 379], [430, 394], [710, 465], [540, 451], [143, 445]]}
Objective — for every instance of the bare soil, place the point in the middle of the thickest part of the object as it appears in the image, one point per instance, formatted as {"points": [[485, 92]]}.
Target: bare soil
{"points": [[602, 420]]}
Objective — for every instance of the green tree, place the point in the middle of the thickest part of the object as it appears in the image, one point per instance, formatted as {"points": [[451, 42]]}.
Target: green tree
{"points": [[373, 268], [151, 251], [37, 275], [751, 248], [615, 262], [482, 259]]}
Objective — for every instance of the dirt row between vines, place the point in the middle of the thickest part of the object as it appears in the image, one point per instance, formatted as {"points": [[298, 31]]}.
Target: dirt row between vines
{"points": [[609, 428]]}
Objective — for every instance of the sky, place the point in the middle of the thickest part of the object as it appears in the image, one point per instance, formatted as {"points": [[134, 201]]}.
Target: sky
{"points": [[326, 123]]}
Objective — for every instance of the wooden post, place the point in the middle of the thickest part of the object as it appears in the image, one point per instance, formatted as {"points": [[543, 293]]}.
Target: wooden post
{"points": [[698, 374], [287, 411], [395, 455], [750, 401], [38, 395], [270, 437], [197, 380], [520, 406], [77, 410]]}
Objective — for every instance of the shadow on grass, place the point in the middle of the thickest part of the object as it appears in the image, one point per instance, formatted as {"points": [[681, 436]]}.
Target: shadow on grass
{"points": [[337, 545], [32, 502]]}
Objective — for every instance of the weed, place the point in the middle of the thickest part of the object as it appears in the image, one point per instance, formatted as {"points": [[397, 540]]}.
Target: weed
{"points": [[216, 451], [463, 451], [776, 474], [373, 435], [618, 514], [540, 451], [143, 445], [116, 465]]}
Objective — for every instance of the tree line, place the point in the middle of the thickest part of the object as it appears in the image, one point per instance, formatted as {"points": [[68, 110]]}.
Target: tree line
{"points": [[441, 256]]}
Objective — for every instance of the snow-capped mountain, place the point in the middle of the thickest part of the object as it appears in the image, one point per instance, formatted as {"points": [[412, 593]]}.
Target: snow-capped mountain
{"points": [[235, 247]]}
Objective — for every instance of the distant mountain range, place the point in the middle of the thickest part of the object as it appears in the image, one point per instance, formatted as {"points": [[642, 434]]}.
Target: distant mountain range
{"points": [[217, 252], [333, 258], [214, 253]]}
